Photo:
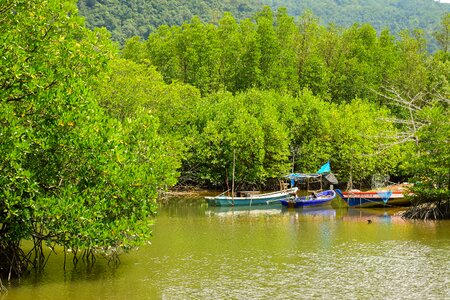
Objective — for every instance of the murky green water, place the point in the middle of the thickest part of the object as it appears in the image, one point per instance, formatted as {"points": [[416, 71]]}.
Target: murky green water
{"points": [[267, 253]]}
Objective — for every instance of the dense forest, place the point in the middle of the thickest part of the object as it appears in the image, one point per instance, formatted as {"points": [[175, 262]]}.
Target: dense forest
{"points": [[92, 133], [283, 93], [125, 19]]}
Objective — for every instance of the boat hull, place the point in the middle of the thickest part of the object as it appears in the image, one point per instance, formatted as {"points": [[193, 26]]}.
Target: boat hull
{"points": [[322, 199], [382, 198], [258, 199]]}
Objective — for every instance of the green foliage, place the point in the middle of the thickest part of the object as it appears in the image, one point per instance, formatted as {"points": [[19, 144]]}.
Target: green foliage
{"points": [[365, 143], [199, 52], [349, 135], [269, 47], [245, 128], [424, 194], [312, 60], [134, 50], [132, 90], [107, 203], [162, 47], [442, 35], [309, 121], [268, 132], [335, 64], [70, 175], [248, 69], [431, 162], [231, 46], [232, 132], [126, 88], [42, 67], [286, 70], [393, 15], [412, 73], [265, 107], [273, 52]]}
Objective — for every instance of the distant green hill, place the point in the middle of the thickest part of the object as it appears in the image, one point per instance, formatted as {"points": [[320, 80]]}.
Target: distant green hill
{"points": [[393, 14], [125, 19]]}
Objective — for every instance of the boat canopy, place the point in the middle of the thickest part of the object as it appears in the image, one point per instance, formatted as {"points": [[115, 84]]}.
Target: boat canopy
{"points": [[301, 176]]}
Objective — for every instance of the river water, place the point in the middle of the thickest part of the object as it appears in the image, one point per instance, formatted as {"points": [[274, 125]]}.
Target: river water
{"points": [[265, 252]]}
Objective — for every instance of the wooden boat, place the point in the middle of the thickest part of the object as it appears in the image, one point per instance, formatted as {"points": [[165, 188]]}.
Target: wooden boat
{"points": [[389, 196], [249, 198], [316, 199]]}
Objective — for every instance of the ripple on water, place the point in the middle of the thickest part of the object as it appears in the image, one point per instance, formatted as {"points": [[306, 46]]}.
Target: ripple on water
{"points": [[388, 270]]}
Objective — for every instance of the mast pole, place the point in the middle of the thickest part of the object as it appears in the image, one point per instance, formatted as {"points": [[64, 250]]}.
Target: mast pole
{"points": [[232, 182]]}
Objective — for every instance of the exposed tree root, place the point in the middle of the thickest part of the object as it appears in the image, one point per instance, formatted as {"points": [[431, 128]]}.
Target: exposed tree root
{"points": [[13, 262], [3, 289], [428, 211]]}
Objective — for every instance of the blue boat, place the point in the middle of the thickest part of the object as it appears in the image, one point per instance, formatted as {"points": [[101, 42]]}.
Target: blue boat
{"points": [[316, 199], [249, 199], [390, 196]]}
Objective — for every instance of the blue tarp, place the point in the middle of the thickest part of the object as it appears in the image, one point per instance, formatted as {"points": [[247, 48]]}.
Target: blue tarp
{"points": [[325, 168]]}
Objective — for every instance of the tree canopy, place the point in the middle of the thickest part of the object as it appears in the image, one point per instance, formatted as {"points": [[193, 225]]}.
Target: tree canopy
{"points": [[71, 175], [332, 89]]}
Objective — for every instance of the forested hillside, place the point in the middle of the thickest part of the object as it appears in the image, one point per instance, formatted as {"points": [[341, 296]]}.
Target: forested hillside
{"points": [[393, 14], [125, 19]]}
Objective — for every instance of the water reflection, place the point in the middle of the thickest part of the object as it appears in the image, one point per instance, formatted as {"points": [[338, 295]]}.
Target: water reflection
{"points": [[221, 211], [382, 215]]}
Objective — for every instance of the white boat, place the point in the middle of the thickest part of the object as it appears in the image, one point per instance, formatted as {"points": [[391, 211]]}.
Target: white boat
{"points": [[251, 198]]}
